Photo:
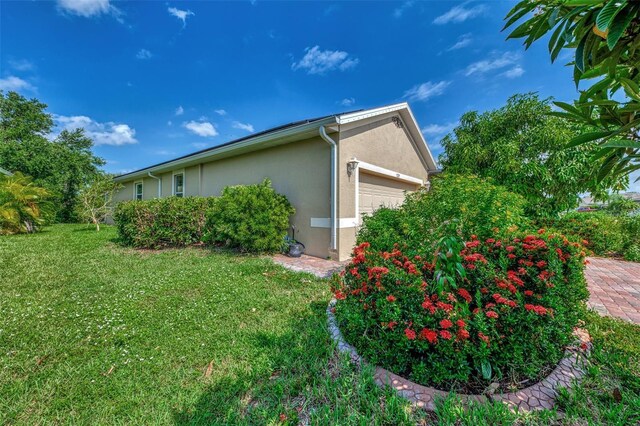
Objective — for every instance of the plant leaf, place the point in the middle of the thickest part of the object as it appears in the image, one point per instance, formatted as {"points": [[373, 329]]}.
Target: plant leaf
{"points": [[486, 369], [607, 13], [618, 27], [588, 137]]}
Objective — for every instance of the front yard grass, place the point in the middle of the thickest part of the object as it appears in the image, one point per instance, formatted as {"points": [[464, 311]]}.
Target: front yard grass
{"points": [[93, 333]]}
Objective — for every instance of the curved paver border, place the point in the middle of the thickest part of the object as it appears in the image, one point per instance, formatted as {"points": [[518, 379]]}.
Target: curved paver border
{"points": [[539, 396]]}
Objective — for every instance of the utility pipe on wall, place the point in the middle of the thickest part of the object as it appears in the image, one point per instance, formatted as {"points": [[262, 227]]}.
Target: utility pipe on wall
{"points": [[159, 184], [334, 186]]}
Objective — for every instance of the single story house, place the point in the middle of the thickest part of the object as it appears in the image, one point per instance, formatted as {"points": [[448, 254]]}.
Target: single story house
{"points": [[333, 169]]}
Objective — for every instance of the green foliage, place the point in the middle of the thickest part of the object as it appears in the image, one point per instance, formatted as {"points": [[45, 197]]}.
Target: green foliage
{"points": [[620, 205], [62, 166], [162, 222], [525, 149], [95, 201], [601, 233], [253, 218], [384, 228], [24, 207], [508, 317], [604, 37], [476, 206]]}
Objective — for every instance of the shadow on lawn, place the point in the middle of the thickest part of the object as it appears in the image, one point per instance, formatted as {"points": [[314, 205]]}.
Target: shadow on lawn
{"points": [[298, 357]]}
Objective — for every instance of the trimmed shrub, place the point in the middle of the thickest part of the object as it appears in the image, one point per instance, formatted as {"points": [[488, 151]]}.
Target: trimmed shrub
{"points": [[162, 222], [601, 233], [505, 314], [477, 205], [252, 218]]}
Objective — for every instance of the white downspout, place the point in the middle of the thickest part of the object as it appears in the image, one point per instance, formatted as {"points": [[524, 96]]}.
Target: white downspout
{"points": [[334, 186], [159, 184]]}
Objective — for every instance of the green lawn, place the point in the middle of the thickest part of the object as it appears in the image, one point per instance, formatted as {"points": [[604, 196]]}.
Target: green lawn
{"points": [[93, 333]]}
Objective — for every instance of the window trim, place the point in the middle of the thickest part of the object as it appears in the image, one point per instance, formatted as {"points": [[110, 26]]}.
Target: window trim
{"points": [[135, 192], [173, 182]]}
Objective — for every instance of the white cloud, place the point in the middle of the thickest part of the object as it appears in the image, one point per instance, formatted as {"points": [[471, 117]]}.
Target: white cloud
{"points": [[169, 123], [398, 12], [436, 130], [201, 128], [425, 91], [16, 84], [482, 67], [347, 102], [179, 110], [514, 72], [316, 61], [143, 54], [164, 152], [109, 133], [21, 64], [200, 145], [221, 112], [459, 14], [181, 14], [242, 126], [88, 8], [463, 41]]}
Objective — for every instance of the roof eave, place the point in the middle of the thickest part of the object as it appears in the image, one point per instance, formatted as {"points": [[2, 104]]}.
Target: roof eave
{"points": [[285, 136]]}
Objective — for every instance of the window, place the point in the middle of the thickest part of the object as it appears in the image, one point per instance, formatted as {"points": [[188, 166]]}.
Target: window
{"points": [[137, 194], [178, 184]]}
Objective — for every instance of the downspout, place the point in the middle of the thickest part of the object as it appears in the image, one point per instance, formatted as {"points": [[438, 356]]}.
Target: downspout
{"points": [[159, 184], [334, 186]]}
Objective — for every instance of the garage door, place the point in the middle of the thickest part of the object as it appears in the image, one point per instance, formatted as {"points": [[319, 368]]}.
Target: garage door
{"points": [[377, 191]]}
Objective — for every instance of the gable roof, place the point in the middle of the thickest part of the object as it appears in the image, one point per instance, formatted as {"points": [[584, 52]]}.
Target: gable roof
{"points": [[297, 130]]}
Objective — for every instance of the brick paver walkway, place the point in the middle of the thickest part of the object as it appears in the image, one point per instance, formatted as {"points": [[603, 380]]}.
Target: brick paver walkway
{"points": [[615, 288]]}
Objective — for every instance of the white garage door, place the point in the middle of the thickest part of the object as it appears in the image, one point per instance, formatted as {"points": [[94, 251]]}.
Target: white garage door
{"points": [[376, 191]]}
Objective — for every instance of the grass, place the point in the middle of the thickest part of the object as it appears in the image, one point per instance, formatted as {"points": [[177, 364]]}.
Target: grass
{"points": [[93, 333]]}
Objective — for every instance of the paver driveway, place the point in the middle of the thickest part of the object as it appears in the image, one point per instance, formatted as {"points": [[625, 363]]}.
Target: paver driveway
{"points": [[615, 288]]}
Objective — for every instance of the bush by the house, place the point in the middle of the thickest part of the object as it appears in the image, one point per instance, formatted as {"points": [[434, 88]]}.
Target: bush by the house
{"points": [[162, 222], [477, 205], [602, 233], [252, 218], [24, 206], [504, 315]]}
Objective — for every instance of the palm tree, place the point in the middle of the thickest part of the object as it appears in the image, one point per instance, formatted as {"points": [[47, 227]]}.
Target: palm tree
{"points": [[22, 204]]}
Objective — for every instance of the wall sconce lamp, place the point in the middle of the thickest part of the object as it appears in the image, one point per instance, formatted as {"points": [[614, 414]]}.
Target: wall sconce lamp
{"points": [[352, 166]]}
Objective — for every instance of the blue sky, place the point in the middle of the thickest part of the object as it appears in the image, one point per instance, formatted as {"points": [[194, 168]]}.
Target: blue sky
{"points": [[154, 80]]}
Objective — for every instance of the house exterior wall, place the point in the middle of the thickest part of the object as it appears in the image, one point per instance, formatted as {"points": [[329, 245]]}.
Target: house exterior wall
{"points": [[299, 170], [381, 143]]}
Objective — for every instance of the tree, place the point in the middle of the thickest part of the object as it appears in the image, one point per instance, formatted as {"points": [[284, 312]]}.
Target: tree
{"points": [[23, 205], [61, 165], [96, 200], [606, 38], [522, 147]]}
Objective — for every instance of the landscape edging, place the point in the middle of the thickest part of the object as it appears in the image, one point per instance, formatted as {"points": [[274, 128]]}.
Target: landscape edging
{"points": [[539, 396]]}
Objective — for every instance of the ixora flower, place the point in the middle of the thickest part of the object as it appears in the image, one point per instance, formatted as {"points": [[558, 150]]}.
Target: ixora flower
{"points": [[391, 298], [445, 323], [429, 335], [411, 335]]}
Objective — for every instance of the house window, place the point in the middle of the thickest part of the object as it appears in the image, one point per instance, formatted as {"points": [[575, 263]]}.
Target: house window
{"points": [[178, 185], [138, 191]]}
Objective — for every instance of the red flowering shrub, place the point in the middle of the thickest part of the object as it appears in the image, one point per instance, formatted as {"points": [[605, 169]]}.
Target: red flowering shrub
{"points": [[507, 318]]}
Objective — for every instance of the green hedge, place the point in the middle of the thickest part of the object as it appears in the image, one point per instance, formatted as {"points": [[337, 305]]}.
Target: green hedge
{"points": [[603, 233], [252, 218], [162, 222]]}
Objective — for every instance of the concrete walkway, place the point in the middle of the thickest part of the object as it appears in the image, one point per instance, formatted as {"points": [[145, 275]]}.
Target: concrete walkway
{"points": [[614, 284], [615, 288]]}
